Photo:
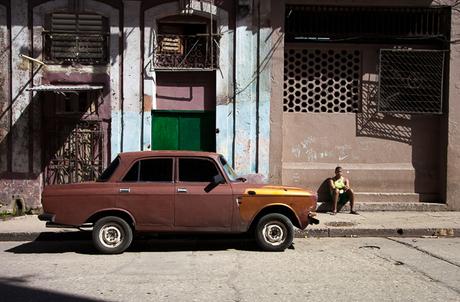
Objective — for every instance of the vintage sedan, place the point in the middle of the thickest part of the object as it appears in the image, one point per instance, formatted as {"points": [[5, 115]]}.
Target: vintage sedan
{"points": [[177, 191]]}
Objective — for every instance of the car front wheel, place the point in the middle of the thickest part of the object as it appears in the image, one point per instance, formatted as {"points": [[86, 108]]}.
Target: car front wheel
{"points": [[112, 235], [274, 232]]}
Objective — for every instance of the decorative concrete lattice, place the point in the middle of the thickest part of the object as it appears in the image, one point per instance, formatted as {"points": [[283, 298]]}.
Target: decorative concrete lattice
{"points": [[321, 80]]}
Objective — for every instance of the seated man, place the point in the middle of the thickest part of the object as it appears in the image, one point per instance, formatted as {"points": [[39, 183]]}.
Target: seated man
{"points": [[340, 186]]}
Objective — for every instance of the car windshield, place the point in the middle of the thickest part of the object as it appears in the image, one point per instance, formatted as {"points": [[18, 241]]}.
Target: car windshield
{"points": [[228, 169], [109, 171]]}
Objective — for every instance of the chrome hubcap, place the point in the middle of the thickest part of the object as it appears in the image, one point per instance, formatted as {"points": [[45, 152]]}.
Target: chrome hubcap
{"points": [[274, 233], [110, 236]]}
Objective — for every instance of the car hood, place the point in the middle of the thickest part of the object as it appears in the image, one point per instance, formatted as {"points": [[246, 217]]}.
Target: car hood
{"points": [[257, 189]]}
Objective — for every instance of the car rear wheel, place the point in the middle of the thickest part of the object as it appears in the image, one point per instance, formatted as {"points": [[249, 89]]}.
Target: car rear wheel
{"points": [[112, 235], [274, 232]]}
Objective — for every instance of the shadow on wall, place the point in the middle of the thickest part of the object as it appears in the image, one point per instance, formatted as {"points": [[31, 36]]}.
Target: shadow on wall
{"points": [[370, 123], [422, 132], [27, 148]]}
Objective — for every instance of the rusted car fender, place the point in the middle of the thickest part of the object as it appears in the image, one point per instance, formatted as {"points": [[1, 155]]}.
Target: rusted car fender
{"points": [[280, 208], [122, 213]]}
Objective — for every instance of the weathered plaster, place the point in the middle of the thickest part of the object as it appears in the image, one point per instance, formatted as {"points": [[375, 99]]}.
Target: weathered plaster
{"points": [[4, 88], [131, 110], [245, 84], [20, 81], [276, 96]]}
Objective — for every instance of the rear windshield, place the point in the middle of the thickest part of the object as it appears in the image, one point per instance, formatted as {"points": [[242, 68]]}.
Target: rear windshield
{"points": [[110, 169]]}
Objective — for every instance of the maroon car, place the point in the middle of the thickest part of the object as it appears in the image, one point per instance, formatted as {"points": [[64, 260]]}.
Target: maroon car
{"points": [[177, 191]]}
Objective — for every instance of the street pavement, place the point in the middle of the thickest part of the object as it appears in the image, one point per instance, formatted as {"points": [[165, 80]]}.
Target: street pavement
{"points": [[316, 269], [366, 224]]}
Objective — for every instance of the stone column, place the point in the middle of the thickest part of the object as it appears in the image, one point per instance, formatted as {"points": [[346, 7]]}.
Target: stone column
{"points": [[20, 82], [453, 128], [245, 93], [276, 96], [131, 110]]}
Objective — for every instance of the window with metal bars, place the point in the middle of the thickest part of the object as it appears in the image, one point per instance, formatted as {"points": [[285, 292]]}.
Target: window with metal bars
{"points": [[76, 38], [315, 23], [411, 81]]}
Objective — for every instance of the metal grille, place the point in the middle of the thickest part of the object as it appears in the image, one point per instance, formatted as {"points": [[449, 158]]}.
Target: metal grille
{"points": [[79, 38], [321, 80], [186, 52], [411, 81], [324, 23], [79, 157]]}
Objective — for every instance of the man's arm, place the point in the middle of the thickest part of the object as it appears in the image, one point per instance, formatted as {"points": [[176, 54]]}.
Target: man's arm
{"points": [[331, 184], [347, 183]]}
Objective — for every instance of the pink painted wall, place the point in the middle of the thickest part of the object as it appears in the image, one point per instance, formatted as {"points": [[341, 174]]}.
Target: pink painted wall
{"points": [[186, 91]]}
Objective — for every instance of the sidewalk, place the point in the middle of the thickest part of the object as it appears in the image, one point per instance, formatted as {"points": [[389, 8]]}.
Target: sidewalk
{"points": [[366, 224]]}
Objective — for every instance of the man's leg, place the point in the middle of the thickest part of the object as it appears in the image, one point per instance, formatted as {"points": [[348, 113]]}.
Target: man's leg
{"points": [[335, 199], [351, 196]]}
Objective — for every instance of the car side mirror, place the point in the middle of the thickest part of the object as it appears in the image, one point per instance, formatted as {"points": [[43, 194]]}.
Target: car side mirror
{"points": [[216, 180]]}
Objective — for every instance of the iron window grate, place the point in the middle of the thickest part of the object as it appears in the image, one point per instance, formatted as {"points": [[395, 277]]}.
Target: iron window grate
{"points": [[335, 23], [411, 81], [81, 38], [321, 80]]}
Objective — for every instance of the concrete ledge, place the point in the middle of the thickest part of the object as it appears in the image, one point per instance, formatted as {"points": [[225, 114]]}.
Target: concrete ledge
{"points": [[389, 206]]}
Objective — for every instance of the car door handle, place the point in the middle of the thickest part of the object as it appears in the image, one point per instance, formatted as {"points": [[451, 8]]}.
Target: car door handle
{"points": [[181, 190], [125, 190]]}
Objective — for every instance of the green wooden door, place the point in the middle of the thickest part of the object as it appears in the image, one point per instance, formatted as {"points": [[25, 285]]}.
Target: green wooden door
{"points": [[183, 130]]}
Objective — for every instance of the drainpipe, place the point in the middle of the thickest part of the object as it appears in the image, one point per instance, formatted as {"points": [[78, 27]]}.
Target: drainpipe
{"points": [[121, 46], [141, 84], [257, 87], [236, 6], [31, 76]]}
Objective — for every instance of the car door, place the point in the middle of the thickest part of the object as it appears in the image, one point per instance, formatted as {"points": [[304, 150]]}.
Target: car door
{"points": [[147, 192], [194, 209]]}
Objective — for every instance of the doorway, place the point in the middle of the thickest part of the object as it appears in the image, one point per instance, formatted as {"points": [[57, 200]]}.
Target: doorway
{"points": [[184, 130]]}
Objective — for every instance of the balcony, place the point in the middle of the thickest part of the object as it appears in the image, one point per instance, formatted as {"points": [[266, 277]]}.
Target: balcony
{"points": [[186, 52]]}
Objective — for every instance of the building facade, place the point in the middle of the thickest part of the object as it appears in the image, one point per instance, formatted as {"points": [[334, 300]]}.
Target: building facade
{"points": [[285, 89]]}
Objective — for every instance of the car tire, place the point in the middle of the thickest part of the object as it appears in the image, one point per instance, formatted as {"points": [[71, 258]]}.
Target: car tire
{"points": [[112, 235], [274, 232]]}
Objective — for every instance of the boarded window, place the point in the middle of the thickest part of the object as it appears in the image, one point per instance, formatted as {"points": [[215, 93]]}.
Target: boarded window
{"points": [[80, 38], [321, 80], [411, 81]]}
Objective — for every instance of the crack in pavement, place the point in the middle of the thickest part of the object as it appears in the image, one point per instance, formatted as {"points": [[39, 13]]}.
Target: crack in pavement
{"points": [[424, 251], [417, 271]]}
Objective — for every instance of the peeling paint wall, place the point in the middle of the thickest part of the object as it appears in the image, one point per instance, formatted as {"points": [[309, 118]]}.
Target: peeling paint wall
{"points": [[24, 180], [4, 88], [254, 49]]}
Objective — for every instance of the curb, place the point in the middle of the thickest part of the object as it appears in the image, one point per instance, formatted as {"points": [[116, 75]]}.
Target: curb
{"points": [[307, 233], [398, 232]]}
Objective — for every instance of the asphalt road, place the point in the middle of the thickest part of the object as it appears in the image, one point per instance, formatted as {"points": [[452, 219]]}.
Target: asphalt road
{"points": [[326, 269]]}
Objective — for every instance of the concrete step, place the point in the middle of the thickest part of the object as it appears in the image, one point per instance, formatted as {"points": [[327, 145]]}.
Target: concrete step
{"points": [[386, 197], [387, 206]]}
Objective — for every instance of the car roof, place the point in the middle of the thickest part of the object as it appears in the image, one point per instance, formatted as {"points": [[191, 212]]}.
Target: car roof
{"points": [[140, 154]]}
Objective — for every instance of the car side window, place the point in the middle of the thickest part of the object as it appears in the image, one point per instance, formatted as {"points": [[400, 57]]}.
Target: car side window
{"points": [[196, 170], [158, 169]]}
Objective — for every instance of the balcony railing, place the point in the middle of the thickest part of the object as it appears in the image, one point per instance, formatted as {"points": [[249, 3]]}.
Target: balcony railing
{"points": [[177, 52]]}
